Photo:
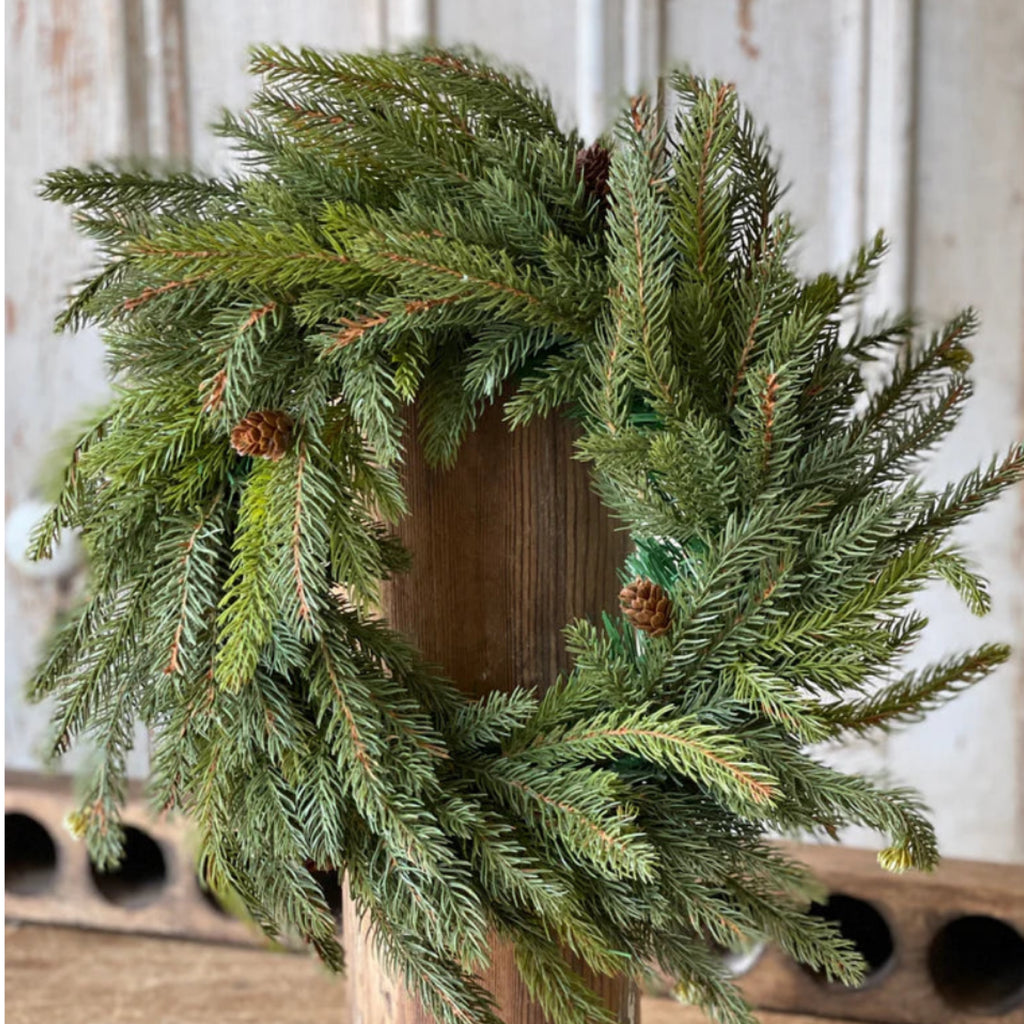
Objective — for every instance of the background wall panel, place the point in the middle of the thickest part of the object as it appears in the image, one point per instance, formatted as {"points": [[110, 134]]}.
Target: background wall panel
{"points": [[910, 116], [66, 86], [781, 56], [968, 248], [218, 38], [538, 37], [907, 114]]}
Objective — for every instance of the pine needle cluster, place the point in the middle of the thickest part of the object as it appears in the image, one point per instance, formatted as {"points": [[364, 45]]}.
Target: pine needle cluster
{"points": [[416, 227]]}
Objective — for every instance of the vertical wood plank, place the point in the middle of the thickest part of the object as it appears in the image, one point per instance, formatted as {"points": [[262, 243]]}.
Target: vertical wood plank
{"points": [[508, 545], [968, 248], [218, 36], [782, 57], [409, 22], [175, 91], [136, 77], [66, 75], [538, 37], [847, 120], [889, 146], [643, 46], [591, 71]]}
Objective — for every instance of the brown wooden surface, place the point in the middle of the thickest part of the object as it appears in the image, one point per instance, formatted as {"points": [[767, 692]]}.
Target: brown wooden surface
{"points": [[915, 906], [508, 546], [67, 976], [171, 905]]}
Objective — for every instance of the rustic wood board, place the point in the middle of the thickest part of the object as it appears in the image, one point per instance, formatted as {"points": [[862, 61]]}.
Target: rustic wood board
{"points": [[96, 77], [82, 977], [167, 901], [64, 81], [915, 908]]}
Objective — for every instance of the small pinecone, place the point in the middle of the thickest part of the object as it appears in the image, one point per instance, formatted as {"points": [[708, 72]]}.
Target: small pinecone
{"points": [[266, 434], [645, 605], [592, 166]]}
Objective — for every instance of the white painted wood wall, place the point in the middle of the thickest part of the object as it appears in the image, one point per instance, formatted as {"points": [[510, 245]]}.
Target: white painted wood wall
{"points": [[894, 113]]}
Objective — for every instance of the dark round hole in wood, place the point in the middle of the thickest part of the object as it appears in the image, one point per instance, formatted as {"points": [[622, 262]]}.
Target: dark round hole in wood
{"points": [[141, 875], [977, 964], [331, 888], [864, 926], [30, 856]]}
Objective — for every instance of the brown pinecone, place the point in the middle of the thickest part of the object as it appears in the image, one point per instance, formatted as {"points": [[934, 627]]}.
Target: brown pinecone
{"points": [[645, 605], [266, 434], [592, 166]]}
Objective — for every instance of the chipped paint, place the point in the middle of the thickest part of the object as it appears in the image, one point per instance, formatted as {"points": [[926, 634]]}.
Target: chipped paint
{"points": [[58, 41], [20, 17], [745, 20], [66, 104], [62, 108]]}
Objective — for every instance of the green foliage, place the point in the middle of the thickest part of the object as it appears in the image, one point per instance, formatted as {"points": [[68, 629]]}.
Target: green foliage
{"points": [[411, 227]]}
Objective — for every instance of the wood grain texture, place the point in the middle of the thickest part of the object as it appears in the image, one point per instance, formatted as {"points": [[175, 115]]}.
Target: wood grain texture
{"points": [[172, 904], [915, 907], [81, 977], [508, 546], [65, 104], [174, 62], [85, 81]]}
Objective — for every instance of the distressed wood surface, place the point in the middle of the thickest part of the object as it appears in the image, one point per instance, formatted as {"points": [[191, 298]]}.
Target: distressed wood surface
{"points": [[81, 977], [908, 988], [839, 85], [910, 116], [65, 79], [508, 545], [968, 248]]}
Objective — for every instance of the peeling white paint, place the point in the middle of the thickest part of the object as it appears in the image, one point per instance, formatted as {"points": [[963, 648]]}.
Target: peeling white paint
{"points": [[880, 120]]}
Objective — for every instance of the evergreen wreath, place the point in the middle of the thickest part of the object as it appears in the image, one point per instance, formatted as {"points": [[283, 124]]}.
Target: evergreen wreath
{"points": [[417, 227]]}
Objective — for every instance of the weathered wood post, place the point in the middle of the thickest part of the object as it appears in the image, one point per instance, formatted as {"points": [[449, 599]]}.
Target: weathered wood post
{"points": [[508, 546]]}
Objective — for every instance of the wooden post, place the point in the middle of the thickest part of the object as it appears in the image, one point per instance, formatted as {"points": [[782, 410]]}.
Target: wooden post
{"points": [[508, 546]]}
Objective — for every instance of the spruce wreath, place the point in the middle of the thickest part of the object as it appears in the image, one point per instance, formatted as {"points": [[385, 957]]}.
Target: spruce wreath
{"points": [[417, 227]]}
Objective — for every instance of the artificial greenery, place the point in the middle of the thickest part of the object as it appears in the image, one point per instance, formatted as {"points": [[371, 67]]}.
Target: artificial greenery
{"points": [[417, 227]]}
